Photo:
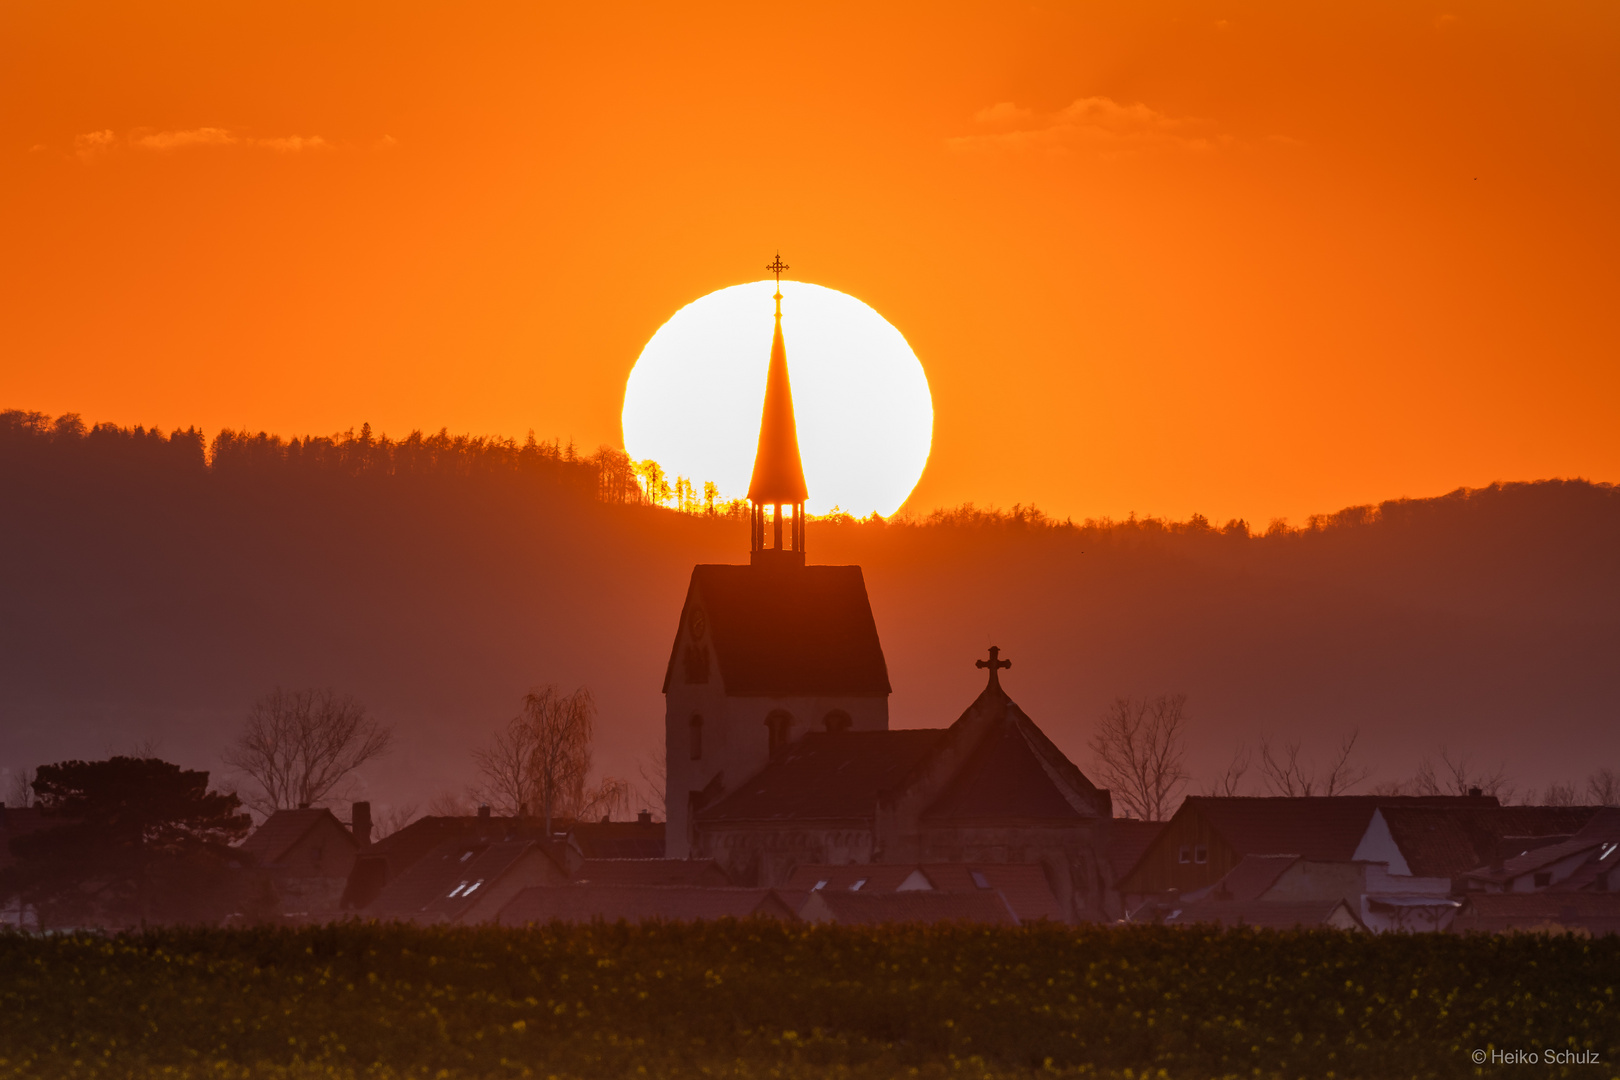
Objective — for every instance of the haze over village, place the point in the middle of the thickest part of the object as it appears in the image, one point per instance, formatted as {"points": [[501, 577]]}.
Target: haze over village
{"points": [[758, 542]]}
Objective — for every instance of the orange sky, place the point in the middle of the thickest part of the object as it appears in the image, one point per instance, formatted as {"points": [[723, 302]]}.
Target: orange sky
{"points": [[1250, 259]]}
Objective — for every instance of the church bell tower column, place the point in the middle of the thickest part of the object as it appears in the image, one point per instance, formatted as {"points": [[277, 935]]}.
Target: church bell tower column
{"points": [[778, 479]]}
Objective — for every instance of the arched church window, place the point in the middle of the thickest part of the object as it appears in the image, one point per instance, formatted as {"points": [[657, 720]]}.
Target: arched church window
{"points": [[837, 720], [779, 725], [695, 726]]}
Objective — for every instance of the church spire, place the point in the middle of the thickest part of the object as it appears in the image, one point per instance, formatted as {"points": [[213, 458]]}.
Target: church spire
{"points": [[778, 478]]}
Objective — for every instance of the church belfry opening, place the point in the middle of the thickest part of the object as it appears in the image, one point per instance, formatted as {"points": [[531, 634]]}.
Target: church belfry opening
{"points": [[778, 479]]}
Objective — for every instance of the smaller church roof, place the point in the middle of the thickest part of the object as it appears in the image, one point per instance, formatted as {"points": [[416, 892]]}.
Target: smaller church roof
{"points": [[828, 776], [789, 631]]}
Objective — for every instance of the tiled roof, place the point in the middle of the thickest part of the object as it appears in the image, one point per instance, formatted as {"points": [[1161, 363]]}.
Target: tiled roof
{"points": [[1128, 841], [1004, 778], [871, 908], [690, 872], [1450, 841], [270, 842], [877, 877], [618, 839], [827, 776], [1251, 877], [1598, 913], [424, 888], [1320, 828], [1263, 914], [789, 631], [405, 848], [636, 903], [1022, 885]]}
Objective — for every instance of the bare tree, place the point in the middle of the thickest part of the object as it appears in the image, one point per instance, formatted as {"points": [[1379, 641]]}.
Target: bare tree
{"points": [[1140, 749], [1603, 787], [1458, 776], [562, 729], [1284, 773], [507, 768], [298, 745], [21, 793], [1560, 795], [1226, 784]]}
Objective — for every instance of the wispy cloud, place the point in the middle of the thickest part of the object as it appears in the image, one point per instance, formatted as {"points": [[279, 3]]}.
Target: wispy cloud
{"points": [[1098, 125], [94, 144]]}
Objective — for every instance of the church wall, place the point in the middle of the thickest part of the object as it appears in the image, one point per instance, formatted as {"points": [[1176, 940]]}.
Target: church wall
{"points": [[736, 741]]}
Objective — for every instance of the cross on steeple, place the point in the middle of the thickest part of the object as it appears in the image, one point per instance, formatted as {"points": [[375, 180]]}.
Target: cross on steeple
{"points": [[777, 267], [995, 663]]}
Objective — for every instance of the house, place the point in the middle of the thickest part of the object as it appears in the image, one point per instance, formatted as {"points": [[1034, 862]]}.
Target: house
{"points": [[1426, 840], [1589, 861], [639, 903], [864, 908], [308, 854], [1266, 915], [1023, 886], [1586, 913], [992, 788], [1380, 901], [388, 858], [467, 880], [1209, 835]]}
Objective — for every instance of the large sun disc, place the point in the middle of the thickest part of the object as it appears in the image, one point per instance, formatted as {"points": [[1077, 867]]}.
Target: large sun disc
{"points": [[865, 416]]}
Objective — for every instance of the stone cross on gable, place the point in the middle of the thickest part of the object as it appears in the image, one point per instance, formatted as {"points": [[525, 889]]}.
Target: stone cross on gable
{"points": [[995, 664]]}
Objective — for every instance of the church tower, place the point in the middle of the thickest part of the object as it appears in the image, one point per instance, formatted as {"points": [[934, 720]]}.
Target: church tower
{"points": [[768, 651]]}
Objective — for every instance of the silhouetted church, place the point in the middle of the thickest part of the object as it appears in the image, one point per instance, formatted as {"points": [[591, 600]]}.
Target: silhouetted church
{"points": [[777, 738]]}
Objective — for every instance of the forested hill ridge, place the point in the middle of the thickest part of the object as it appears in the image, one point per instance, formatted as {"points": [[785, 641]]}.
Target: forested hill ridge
{"points": [[152, 585]]}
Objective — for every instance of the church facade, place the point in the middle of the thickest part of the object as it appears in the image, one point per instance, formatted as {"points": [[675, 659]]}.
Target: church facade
{"points": [[777, 742]]}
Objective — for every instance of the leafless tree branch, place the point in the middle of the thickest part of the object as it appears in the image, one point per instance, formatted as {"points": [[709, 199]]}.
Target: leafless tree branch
{"points": [[1140, 751], [297, 746]]}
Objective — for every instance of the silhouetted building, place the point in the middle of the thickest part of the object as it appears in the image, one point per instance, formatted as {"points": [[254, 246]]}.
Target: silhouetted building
{"points": [[777, 739]]}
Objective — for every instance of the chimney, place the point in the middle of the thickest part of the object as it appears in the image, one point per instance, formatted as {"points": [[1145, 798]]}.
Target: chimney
{"points": [[360, 823], [1474, 793], [303, 806], [483, 810], [644, 818]]}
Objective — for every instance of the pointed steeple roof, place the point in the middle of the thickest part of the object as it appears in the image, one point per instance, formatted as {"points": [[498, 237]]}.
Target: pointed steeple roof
{"points": [[778, 472]]}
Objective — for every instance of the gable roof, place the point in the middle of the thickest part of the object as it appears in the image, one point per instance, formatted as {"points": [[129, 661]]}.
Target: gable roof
{"points": [[787, 630], [827, 776], [283, 830], [637, 903], [1004, 778], [424, 889], [1322, 828], [1023, 886], [872, 908], [1448, 841], [875, 877], [403, 849]]}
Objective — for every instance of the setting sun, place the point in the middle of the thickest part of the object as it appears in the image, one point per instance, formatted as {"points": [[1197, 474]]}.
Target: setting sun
{"points": [[865, 415]]}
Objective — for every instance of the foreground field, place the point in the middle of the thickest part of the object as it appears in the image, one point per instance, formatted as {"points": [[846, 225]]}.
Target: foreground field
{"points": [[760, 999]]}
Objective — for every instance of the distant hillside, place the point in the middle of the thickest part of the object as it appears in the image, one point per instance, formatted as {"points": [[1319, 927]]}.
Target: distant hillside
{"points": [[151, 586]]}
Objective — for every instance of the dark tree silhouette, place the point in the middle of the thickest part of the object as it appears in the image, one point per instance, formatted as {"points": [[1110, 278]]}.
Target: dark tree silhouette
{"points": [[116, 823], [1140, 750], [298, 745]]}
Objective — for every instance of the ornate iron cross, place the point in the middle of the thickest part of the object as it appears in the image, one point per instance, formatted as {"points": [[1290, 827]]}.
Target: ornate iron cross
{"points": [[995, 664]]}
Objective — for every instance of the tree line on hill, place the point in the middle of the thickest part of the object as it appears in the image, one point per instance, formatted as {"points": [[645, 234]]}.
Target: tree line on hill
{"points": [[158, 583]]}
